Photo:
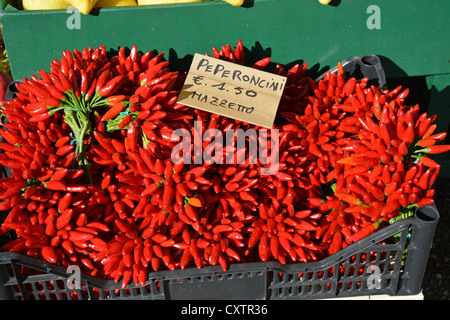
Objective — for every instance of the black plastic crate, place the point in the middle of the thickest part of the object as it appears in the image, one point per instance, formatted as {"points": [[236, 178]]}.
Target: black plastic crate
{"points": [[399, 252], [368, 66]]}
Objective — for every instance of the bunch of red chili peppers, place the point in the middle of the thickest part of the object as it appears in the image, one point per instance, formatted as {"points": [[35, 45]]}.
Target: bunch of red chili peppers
{"points": [[92, 182]]}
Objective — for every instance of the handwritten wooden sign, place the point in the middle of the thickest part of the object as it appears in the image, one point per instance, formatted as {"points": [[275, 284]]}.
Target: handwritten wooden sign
{"points": [[232, 90]]}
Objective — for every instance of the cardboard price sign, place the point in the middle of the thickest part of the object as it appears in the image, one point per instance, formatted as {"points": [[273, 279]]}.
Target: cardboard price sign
{"points": [[232, 90]]}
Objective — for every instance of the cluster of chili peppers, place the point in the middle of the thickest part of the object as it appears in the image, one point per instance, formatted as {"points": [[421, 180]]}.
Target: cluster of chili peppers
{"points": [[92, 180], [371, 156]]}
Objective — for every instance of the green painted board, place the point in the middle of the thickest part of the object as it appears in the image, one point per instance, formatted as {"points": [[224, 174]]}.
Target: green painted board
{"points": [[412, 39]]}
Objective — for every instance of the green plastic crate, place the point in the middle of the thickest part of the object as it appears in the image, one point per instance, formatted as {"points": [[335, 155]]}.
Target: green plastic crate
{"points": [[411, 35]]}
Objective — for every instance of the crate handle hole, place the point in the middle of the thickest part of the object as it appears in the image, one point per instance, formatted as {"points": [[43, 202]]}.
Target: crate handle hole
{"points": [[370, 60], [12, 86], [427, 214]]}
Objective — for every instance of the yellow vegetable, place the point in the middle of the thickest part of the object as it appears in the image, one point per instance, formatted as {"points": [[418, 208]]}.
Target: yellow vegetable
{"points": [[85, 6], [115, 3], [44, 4], [150, 2], [324, 2], [236, 3]]}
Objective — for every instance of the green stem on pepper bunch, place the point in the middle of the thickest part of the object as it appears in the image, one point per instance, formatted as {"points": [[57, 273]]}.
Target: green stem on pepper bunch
{"points": [[77, 116], [77, 112], [78, 121]]}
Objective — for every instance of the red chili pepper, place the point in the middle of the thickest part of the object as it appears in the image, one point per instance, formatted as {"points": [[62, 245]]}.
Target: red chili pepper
{"points": [[376, 192], [40, 117], [434, 176], [115, 109], [182, 189], [168, 195], [66, 83], [261, 64], [390, 188], [125, 121], [104, 77], [411, 173], [37, 108], [65, 149], [55, 185], [191, 212], [349, 86], [428, 162], [408, 135], [84, 82], [263, 248], [365, 231], [132, 138], [194, 251], [340, 69], [389, 208], [111, 86], [424, 125], [91, 89], [393, 93], [423, 182], [437, 137], [305, 225], [98, 226], [426, 142], [64, 218], [351, 199], [425, 202], [79, 236], [222, 228], [49, 254], [151, 189], [435, 149], [336, 243], [314, 149], [195, 202], [55, 83], [232, 254]]}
